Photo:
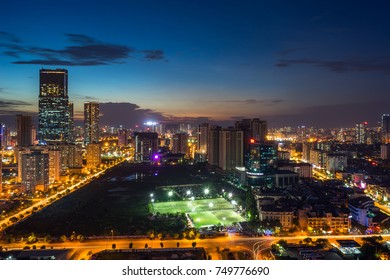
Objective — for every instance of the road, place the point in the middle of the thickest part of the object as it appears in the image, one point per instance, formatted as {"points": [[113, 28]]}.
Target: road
{"points": [[255, 245]]}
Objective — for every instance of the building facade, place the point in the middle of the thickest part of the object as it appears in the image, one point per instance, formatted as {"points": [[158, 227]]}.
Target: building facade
{"points": [[93, 157], [53, 116], [91, 122], [24, 129], [146, 146], [34, 170]]}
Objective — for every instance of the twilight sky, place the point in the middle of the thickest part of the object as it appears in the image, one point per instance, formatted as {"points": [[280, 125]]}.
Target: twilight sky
{"points": [[315, 63]]}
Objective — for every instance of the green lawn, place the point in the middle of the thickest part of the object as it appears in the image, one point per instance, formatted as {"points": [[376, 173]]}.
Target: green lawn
{"points": [[203, 212]]}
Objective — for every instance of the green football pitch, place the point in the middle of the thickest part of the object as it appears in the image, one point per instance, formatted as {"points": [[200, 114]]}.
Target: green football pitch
{"points": [[203, 212]]}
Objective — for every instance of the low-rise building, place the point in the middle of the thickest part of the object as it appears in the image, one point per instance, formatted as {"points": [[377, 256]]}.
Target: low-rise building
{"points": [[284, 215]]}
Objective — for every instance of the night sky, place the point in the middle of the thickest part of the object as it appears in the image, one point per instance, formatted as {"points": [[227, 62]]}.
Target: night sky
{"points": [[314, 63]]}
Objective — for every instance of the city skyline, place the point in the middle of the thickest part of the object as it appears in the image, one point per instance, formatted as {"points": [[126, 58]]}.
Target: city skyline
{"points": [[324, 64]]}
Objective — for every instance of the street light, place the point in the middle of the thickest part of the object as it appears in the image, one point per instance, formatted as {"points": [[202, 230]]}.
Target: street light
{"points": [[151, 195], [170, 193], [206, 191], [230, 195], [188, 192]]}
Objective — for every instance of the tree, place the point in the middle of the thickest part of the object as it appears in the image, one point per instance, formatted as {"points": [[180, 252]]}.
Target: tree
{"points": [[32, 238], [177, 244], [307, 240], [193, 244], [47, 238], [113, 246], [162, 245], [131, 245], [146, 245], [282, 242], [63, 238]]}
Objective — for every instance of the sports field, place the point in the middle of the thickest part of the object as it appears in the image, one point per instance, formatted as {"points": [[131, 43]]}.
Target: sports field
{"points": [[203, 212]]}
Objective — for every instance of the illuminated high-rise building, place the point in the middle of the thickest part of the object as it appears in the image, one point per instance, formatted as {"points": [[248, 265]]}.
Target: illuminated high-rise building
{"points": [[231, 149], [91, 122], [1, 173], [4, 136], [202, 141], [180, 143], [261, 165], [34, 170], [94, 158], [123, 135], [385, 128], [253, 129], [55, 167], [71, 122], [360, 133], [53, 120], [146, 146]]}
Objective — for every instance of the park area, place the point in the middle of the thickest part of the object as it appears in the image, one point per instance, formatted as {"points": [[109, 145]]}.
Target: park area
{"points": [[203, 212]]}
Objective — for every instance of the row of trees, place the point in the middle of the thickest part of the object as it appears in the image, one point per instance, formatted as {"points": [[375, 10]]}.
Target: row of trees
{"points": [[131, 245]]}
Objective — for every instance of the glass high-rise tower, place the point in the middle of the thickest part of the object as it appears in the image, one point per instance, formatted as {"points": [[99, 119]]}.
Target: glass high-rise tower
{"points": [[53, 121], [91, 122]]}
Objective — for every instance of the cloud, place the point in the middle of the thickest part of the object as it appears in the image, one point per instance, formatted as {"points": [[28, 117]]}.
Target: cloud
{"points": [[251, 101], [12, 103], [288, 51], [126, 114], [376, 64], [84, 51], [84, 97], [153, 54], [8, 37]]}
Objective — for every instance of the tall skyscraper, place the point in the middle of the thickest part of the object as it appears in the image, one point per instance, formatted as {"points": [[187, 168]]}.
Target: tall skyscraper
{"points": [[261, 165], [24, 127], [4, 136], [360, 133], [146, 146], [230, 149], [385, 128], [53, 120], [123, 135], [202, 141], [255, 129], [34, 170], [1, 173], [213, 146], [180, 143], [91, 122], [94, 158], [71, 122]]}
